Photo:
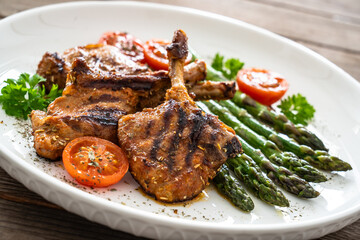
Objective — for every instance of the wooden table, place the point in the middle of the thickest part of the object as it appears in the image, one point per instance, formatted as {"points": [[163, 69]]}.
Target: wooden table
{"points": [[329, 27]]}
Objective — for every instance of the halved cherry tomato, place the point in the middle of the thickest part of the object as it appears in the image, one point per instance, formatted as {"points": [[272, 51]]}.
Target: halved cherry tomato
{"points": [[262, 85], [128, 44], [156, 54], [95, 162]]}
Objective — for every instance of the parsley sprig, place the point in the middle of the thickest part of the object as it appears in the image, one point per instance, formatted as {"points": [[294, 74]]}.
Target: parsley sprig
{"points": [[228, 68], [297, 109], [20, 96]]}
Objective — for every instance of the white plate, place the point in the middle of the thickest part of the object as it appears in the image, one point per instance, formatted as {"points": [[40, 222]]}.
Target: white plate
{"points": [[26, 36]]}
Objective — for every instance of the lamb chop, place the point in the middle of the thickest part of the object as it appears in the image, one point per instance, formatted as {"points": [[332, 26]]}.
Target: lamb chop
{"points": [[107, 60], [175, 148], [108, 67]]}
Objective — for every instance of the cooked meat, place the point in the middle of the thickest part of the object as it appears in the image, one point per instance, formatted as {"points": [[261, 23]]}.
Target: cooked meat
{"points": [[80, 112], [106, 61], [86, 76], [152, 86], [175, 148], [213, 90], [54, 69], [83, 111], [99, 90]]}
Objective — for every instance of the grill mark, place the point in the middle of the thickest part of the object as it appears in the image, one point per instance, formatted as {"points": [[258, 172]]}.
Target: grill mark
{"points": [[167, 117], [86, 77], [182, 121], [104, 117], [194, 137], [135, 82], [103, 98], [98, 110], [102, 120], [75, 123], [132, 83]]}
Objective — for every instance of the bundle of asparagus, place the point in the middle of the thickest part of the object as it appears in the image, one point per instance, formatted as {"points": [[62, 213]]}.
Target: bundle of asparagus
{"points": [[276, 151], [318, 158]]}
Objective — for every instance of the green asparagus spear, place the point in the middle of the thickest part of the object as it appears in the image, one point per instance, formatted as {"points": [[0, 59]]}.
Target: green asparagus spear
{"points": [[280, 175], [249, 173], [232, 189], [279, 122], [319, 159], [270, 150]]}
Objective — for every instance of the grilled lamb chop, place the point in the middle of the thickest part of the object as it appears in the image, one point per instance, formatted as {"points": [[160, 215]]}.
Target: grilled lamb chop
{"points": [[175, 148], [115, 66], [106, 61], [151, 86], [80, 112], [105, 58]]}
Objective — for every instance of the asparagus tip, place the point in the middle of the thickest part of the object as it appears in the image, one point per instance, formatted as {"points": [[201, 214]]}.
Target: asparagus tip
{"points": [[276, 198], [308, 193], [332, 163]]}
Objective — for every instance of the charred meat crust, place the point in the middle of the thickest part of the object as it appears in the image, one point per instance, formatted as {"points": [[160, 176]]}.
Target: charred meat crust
{"points": [[82, 75], [106, 62], [80, 112], [179, 151], [53, 133]]}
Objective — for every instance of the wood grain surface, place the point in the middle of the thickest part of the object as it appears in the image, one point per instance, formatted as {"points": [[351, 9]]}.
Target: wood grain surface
{"points": [[329, 27]]}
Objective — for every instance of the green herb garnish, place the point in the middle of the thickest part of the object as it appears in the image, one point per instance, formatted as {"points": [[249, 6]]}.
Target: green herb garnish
{"points": [[297, 109], [230, 68], [93, 161], [19, 97]]}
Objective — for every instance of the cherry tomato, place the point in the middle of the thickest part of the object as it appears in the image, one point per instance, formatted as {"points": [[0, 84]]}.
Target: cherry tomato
{"points": [[262, 85], [128, 44], [95, 162], [156, 54]]}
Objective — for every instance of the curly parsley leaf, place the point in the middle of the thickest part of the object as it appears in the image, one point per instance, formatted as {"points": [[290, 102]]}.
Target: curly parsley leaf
{"points": [[229, 68], [20, 96], [297, 109]]}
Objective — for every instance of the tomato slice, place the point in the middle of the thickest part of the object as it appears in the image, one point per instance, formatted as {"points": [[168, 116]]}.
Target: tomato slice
{"points": [[95, 162], [262, 85], [156, 54], [128, 44]]}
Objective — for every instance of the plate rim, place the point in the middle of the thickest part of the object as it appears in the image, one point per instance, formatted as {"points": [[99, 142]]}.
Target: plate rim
{"points": [[160, 219]]}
